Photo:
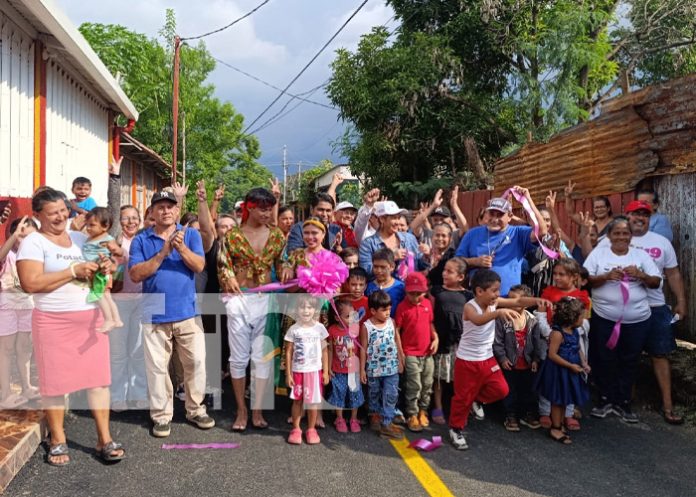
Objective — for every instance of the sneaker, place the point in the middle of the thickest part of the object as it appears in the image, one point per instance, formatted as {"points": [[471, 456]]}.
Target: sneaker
{"points": [[161, 430], [375, 422], [181, 393], [423, 419], [399, 418], [602, 410], [530, 422], [312, 437], [477, 411], [355, 426], [626, 414], [295, 437], [511, 424], [391, 431], [203, 421], [340, 425], [414, 425], [458, 439]]}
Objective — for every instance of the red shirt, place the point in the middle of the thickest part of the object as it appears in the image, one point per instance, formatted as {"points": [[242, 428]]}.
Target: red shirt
{"points": [[554, 294], [360, 306], [415, 322], [521, 336], [343, 348]]}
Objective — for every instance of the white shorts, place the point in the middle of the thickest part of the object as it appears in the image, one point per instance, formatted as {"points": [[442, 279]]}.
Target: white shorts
{"points": [[12, 321], [246, 323]]}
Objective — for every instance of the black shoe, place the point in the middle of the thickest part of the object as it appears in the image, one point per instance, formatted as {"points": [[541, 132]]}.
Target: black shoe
{"points": [[161, 430], [602, 410], [626, 414]]}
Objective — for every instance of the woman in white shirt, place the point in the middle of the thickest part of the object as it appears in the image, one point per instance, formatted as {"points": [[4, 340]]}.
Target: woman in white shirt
{"points": [[620, 277], [70, 354]]}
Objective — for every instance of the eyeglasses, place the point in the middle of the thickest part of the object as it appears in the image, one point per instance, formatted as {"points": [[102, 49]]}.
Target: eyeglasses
{"points": [[126, 219]]}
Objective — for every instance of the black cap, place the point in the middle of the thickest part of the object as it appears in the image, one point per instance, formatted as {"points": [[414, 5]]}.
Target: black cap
{"points": [[442, 211], [160, 196]]}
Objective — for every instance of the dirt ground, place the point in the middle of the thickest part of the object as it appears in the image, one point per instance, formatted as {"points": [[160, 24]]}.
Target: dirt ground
{"points": [[683, 382]]}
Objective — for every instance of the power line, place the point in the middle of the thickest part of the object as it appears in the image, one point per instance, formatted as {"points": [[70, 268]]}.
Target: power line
{"points": [[277, 116], [270, 85], [230, 24], [307, 65]]}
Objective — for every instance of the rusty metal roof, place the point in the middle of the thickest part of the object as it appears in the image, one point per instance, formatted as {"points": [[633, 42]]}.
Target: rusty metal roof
{"points": [[648, 132]]}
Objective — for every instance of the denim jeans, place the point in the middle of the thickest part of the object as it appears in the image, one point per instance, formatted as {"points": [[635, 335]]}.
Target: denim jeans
{"points": [[128, 380], [383, 392]]}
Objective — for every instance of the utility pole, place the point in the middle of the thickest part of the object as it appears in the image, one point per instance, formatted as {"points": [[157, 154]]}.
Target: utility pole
{"points": [[299, 178], [285, 174], [183, 147], [175, 105]]}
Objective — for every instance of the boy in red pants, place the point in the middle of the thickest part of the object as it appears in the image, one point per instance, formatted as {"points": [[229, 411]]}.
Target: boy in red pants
{"points": [[477, 375]]}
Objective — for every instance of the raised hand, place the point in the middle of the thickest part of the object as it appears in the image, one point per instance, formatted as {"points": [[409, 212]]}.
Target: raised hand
{"points": [[5, 214], [275, 188], [454, 196], [568, 190], [437, 199], [115, 166], [180, 190], [371, 197], [551, 200], [338, 178], [219, 193], [201, 193]]}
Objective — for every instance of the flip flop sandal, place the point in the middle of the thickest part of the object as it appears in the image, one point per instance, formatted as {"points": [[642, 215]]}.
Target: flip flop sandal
{"points": [[260, 426], [106, 452], [563, 439], [13, 401], [58, 450], [671, 418], [239, 427], [438, 417]]}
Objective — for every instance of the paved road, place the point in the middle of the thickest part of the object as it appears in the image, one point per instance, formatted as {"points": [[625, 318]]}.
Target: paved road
{"points": [[608, 458]]}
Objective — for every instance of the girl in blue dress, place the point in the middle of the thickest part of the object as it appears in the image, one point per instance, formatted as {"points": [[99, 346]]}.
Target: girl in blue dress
{"points": [[560, 376]]}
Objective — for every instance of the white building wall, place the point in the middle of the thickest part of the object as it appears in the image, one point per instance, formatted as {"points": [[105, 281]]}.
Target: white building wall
{"points": [[77, 135], [16, 110]]}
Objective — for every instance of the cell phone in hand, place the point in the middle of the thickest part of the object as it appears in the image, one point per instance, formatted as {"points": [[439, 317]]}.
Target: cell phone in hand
{"points": [[176, 232]]}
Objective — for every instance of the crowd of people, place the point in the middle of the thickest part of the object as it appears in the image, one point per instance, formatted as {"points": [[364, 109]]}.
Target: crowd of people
{"points": [[436, 310]]}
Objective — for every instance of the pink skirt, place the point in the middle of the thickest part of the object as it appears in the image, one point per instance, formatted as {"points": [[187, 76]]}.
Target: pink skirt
{"points": [[70, 354]]}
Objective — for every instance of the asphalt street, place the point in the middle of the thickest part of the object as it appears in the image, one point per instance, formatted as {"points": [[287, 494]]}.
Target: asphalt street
{"points": [[608, 458]]}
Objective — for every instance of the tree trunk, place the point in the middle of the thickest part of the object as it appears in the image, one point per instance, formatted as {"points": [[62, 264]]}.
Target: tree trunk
{"points": [[474, 161]]}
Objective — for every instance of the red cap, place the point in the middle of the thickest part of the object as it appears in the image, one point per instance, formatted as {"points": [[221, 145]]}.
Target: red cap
{"points": [[636, 205], [416, 282]]}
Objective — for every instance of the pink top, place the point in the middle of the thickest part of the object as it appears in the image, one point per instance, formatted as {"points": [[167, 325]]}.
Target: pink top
{"points": [[129, 287]]}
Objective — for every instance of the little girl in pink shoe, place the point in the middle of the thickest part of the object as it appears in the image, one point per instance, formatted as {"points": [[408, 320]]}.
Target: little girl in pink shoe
{"points": [[307, 367]]}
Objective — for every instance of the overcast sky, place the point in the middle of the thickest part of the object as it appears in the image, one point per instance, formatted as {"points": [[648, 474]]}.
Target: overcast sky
{"points": [[273, 44]]}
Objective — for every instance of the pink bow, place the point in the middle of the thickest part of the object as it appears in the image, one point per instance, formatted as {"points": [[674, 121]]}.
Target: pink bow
{"points": [[426, 445], [616, 331], [528, 209]]}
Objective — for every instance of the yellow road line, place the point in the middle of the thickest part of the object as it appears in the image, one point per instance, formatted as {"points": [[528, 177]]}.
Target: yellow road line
{"points": [[421, 469]]}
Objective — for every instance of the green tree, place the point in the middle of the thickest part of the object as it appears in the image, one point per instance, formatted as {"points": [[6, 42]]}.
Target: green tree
{"points": [[462, 82], [216, 148]]}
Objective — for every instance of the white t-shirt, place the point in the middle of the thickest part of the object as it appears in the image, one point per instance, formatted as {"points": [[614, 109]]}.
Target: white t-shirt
{"points": [[607, 300], [476, 343], [662, 253], [12, 297], [69, 297], [308, 344]]}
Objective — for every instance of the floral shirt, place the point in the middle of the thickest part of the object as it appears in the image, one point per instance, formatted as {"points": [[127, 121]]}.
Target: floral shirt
{"points": [[236, 256], [382, 353]]}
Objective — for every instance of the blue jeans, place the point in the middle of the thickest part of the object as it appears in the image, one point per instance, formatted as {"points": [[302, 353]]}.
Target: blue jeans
{"points": [[383, 392], [128, 380]]}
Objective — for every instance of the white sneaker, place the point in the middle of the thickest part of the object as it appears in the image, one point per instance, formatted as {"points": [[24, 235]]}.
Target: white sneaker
{"points": [[458, 439], [477, 411], [181, 393]]}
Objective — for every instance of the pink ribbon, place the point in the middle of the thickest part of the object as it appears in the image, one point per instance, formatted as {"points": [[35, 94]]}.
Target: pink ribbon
{"points": [[406, 266], [271, 287], [530, 212], [227, 445], [616, 331], [426, 445]]}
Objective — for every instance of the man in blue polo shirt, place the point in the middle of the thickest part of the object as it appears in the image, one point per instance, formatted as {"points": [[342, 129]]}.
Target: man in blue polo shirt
{"points": [[499, 246], [165, 258]]}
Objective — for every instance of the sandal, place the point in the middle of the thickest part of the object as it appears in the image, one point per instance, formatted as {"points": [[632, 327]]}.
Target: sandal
{"points": [[670, 417], [563, 439], [240, 427], [438, 417], [58, 450], [572, 424], [259, 426], [511, 424], [106, 453]]}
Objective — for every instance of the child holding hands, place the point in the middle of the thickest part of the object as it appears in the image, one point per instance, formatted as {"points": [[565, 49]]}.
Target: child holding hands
{"points": [[307, 367], [559, 379]]}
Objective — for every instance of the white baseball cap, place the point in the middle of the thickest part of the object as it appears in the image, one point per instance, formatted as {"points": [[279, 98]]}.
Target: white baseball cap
{"points": [[388, 208], [238, 204], [345, 205]]}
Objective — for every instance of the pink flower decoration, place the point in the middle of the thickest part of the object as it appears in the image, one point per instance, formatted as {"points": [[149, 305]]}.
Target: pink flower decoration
{"points": [[325, 274]]}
